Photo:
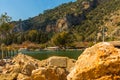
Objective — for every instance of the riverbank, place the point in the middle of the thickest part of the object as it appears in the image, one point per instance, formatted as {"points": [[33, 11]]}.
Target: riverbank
{"points": [[99, 62]]}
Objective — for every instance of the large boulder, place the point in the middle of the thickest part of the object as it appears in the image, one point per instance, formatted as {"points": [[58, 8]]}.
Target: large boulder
{"points": [[99, 62]]}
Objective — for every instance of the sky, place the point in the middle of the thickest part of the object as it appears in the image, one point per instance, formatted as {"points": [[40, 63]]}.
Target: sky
{"points": [[23, 9]]}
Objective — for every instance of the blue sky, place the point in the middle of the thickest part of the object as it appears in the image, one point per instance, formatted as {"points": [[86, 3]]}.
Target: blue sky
{"points": [[23, 9]]}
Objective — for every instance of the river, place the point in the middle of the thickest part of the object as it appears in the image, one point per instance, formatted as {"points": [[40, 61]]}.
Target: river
{"points": [[44, 54]]}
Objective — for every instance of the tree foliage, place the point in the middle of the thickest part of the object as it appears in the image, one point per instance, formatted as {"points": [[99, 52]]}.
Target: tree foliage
{"points": [[87, 23], [63, 39]]}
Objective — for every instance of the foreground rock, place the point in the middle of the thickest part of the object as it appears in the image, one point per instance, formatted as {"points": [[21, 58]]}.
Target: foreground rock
{"points": [[11, 76], [53, 73], [62, 62], [99, 62], [23, 67]]}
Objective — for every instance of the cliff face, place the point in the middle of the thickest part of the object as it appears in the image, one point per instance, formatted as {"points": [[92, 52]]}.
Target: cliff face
{"points": [[59, 25], [71, 14]]}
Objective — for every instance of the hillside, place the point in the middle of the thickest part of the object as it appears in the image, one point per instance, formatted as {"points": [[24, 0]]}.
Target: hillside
{"points": [[67, 11], [96, 19], [83, 19]]}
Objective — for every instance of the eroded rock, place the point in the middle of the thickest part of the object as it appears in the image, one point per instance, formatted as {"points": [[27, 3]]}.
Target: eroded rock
{"points": [[57, 61], [28, 68], [99, 62], [23, 77], [49, 74], [23, 67], [2, 62], [12, 76]]}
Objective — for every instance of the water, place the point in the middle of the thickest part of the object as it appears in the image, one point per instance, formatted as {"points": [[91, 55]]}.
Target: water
{"points": [[41, 55]]}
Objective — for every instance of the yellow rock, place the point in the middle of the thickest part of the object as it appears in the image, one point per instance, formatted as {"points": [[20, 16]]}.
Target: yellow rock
{"points": [[99, 62], [49, 74]]}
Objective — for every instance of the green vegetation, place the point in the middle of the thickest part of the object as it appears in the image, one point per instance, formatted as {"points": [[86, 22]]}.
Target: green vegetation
{"points": [[84, 19], [95, 19], [5, 28], [63, 39]]}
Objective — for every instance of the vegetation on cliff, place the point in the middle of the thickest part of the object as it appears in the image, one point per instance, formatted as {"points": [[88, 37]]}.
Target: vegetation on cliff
{"points": [[83, 19]]}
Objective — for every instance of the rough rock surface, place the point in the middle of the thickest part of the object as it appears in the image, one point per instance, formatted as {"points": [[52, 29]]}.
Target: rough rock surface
{"points": [[11, 76], [2, 62], [62, 24], [22, 59], [53, 73], [23, 77], [57, 61], [23, 67], [99, 62]]}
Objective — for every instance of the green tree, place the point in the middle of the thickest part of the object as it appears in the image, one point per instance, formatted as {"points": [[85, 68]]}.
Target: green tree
{"points": [[32, 35], [63, 39], [4, 18], [5, 26]]}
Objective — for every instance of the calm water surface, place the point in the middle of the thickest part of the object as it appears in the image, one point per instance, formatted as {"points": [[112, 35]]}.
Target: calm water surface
{"points": [[46, 54]]}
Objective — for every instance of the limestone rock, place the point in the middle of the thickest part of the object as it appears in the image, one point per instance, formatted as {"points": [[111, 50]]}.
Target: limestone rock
{"points": [[57, 61], [23, 67], [26, 63], [23, 77], [62, 24], [2, 62], [22, 59], [49, 74], [20, 64], [61, 62], [28, 68], [110, 77], [70, 64], [11, 69], [99, 62], [1, 68], [8, 76], [43, 63]]}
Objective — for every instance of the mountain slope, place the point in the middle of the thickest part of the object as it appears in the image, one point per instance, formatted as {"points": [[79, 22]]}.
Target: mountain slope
{"points": [[67, 10], [96, 19], [85, 19]]}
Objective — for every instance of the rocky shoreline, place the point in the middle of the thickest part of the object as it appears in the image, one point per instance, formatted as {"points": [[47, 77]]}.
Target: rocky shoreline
{"points": [[99, 62]]}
